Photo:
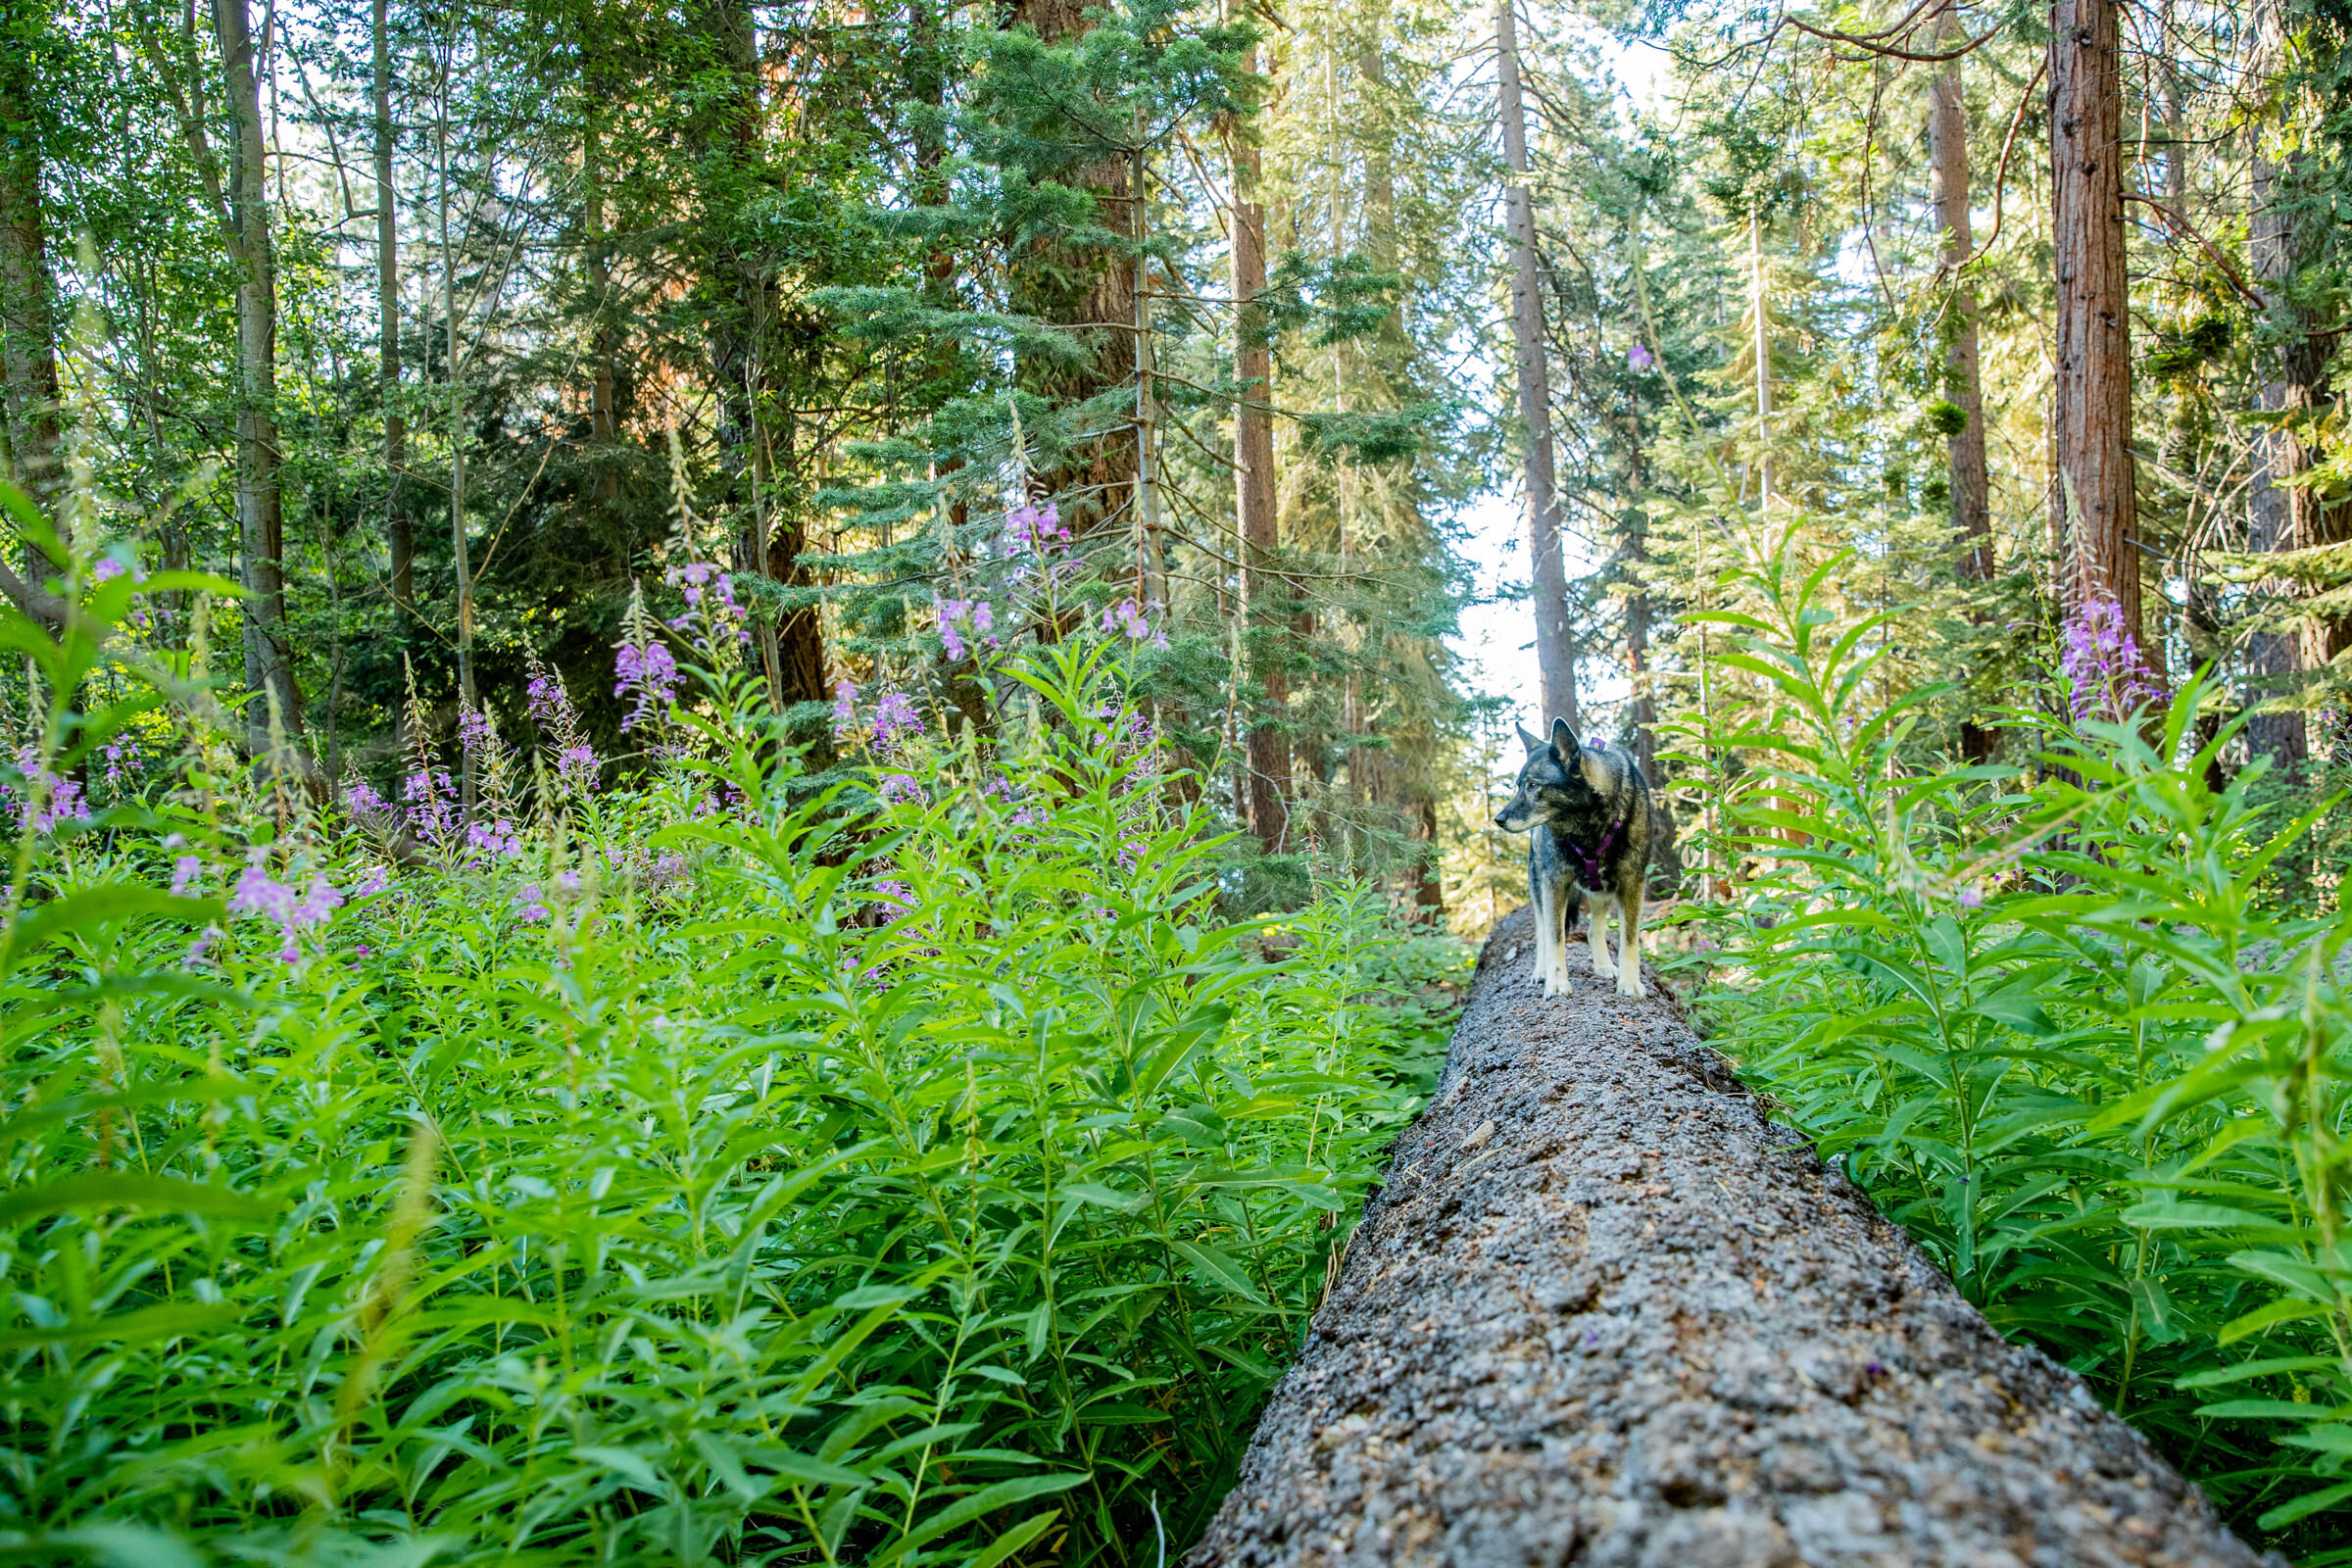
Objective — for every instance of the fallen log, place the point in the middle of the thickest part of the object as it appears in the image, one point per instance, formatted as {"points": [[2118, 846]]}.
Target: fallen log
{"points": [[1603, 1313]]}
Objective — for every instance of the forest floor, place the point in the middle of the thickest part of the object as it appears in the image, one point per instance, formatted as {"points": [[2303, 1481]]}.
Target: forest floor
{"points": [[1604, 1311]]}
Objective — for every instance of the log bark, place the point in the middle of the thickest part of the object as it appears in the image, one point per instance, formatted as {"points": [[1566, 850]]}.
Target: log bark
{"points": [[2091, 419], [1555, 645], [1265, 596], [1604, 1312]]}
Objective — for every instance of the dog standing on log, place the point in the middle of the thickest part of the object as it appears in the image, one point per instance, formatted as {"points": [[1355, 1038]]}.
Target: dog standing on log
{"points": [[1588, 807]]}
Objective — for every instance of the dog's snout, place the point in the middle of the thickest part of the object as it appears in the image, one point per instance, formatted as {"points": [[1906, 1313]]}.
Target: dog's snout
{"points": [[1500, 823]]}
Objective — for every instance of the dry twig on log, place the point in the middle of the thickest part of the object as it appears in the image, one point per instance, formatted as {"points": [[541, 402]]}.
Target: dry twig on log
{"points": [[1606, 1314]]}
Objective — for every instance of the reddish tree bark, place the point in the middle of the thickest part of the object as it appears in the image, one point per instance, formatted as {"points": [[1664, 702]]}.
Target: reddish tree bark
{"points": [[2091, 418], [1264, 593]]}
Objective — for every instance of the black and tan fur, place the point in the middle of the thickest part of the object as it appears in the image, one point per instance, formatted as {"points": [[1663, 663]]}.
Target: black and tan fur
{"points": [[1587, 808]]}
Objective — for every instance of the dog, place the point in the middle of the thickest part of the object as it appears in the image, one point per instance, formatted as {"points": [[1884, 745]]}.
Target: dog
{"points": [[1589, 810]]}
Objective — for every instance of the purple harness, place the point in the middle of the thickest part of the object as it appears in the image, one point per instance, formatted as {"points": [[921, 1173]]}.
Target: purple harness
{"points": [[1600, 853]]}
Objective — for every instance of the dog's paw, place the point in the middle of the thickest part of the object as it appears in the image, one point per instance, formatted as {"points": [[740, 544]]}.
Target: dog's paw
{"points": [[1634, 989]]}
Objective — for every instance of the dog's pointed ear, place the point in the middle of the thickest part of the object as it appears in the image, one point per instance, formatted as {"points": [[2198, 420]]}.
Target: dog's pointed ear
{"points": [[1563, 739], [1595, 769], [1533, 743]]}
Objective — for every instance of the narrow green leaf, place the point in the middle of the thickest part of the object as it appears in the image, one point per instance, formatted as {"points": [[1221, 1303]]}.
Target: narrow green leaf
{"points": [[109, 1189]]}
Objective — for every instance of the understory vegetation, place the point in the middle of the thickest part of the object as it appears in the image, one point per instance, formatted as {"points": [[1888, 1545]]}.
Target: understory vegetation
{"points": [[920, 1168], [2066, 1025]]}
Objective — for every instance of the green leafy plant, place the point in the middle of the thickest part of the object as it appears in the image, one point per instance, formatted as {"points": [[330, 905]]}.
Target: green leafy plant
{"points": [[918, 1171], [2056, 1028]]}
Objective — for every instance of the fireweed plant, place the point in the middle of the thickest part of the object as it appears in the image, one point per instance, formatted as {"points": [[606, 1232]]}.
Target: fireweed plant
{"points": [[681, 1173], [2052, 1024]]}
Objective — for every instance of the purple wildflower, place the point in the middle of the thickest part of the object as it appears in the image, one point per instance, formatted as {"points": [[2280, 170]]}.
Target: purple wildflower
{"points": [[647, 673], [895, 717], [474, 735], [710, 593], [316, 904], [371, 882], [1039, 529], [551, 708], [1971, 898], [259, 893], [845, 711], [1135, 620], [899, 787], [1639, 359], [432, 804], [183, 874], [64, 800], [497, 839], [963, 622], [534, 905], [2102, 663], [576, 768], [361, 800]]}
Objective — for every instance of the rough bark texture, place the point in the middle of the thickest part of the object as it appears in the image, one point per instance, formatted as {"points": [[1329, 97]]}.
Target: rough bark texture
{"points": [[400, 533], [30, 413], [1947, 196], [2092, 501], [260, 528], [1556, 647], [1264, 595], [2272, 655], [1092, 289], [2285, 516], [1606, 1314]]}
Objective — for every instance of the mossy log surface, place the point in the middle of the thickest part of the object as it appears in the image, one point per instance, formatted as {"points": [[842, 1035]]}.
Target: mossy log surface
{"points": [[1604, 1312]]}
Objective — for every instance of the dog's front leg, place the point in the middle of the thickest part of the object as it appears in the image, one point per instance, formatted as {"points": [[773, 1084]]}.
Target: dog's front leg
{"points": [[1563, 910], [1597, 911], [1548, 938], [1628, 942]]}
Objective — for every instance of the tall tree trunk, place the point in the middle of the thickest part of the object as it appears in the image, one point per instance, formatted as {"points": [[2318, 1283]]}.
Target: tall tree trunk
{"points": [[461, 558], [603, 420], [2093, 510], [1429, 897], [1948, 198], [749, 354], [31, 415], [2283, 515], [1555, 642], [1265, 596], [1759, 316], [260, 531], [1633, 553], [1948, 153], [400, 534], [1071, 286]]}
